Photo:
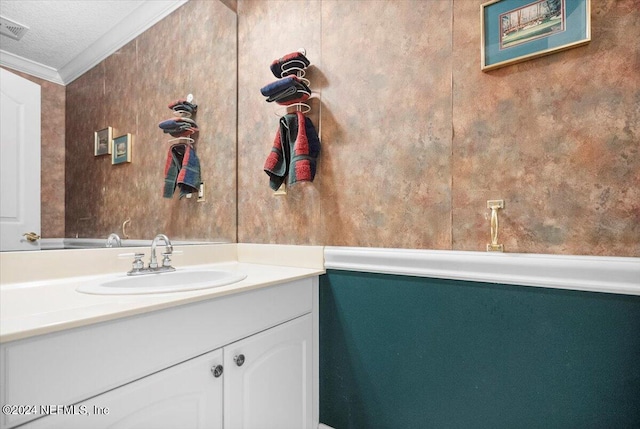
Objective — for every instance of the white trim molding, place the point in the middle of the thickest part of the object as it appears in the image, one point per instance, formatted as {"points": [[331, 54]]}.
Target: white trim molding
{"points": [[15, 62], [619, 275], [128, 29]]}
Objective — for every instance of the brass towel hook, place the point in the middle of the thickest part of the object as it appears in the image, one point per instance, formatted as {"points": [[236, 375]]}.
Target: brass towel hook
{"points": [[494, 205]]}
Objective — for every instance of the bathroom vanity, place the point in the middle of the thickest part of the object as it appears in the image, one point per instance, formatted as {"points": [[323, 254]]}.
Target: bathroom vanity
{"points": [[237, 356]]}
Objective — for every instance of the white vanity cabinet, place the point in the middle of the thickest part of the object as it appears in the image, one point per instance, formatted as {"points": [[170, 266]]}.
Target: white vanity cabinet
{"points": [[185, 396], [268, 379], [158, 370]]}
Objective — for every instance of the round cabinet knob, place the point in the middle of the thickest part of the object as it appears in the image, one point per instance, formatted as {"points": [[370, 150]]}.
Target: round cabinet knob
{"points": [[239, 359], [217, 370]]}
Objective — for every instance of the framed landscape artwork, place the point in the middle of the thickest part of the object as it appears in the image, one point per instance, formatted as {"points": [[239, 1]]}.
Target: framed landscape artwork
{"points": [[519, 30], [102, 141], [122, 148]]}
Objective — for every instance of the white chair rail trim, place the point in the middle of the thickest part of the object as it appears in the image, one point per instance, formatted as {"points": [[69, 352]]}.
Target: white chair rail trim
{"points": [[619, 275]]}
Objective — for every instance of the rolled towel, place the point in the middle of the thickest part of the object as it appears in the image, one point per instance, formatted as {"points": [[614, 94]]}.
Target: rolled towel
{"points": [[289, 64], [299, 95], [179, 127], [183, 105], [184, 132], [286, 91], [177, 123], [279, 85]]}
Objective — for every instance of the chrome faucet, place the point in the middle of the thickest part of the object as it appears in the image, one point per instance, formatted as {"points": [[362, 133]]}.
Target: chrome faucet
{"points": [[138, 267], [113, 237], [166, 255]]}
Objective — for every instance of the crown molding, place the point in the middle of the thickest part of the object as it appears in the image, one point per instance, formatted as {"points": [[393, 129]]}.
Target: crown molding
{"points": [[21, 64], [620, 275], [128, 29], [148, 13]]}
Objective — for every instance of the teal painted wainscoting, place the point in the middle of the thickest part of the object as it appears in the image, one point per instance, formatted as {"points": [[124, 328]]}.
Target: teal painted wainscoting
{"points": [[402, 352]]}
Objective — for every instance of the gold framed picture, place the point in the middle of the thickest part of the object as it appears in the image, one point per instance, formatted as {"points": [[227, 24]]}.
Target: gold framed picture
{"points": [[102, 142], [518, 30], [121, 149]]}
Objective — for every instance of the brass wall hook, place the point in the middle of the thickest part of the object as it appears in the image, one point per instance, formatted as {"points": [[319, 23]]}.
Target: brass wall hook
{"points": [[495, 205]]}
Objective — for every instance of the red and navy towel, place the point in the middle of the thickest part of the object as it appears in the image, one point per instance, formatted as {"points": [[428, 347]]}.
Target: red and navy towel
{"points": [[179, 127], [182, 105], [289, 64], [294, 153], [286, 91], [181, 170]]}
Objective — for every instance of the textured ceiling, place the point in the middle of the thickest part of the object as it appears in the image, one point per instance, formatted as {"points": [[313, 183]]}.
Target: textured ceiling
{"points": [[60, 31]]}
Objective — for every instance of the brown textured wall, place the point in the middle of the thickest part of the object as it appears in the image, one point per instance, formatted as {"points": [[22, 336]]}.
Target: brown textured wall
{"points": [[268, 30], [415, 138], [191, 51], [52, 156], [556, 137]]}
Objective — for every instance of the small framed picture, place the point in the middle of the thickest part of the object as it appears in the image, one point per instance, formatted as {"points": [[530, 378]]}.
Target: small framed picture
{"points": [[519, 30], [102, 142], [121, 150]]}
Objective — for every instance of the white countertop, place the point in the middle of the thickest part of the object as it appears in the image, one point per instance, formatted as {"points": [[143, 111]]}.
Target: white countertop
{"points": [[50, 305], [35, 308], [38, 289]]}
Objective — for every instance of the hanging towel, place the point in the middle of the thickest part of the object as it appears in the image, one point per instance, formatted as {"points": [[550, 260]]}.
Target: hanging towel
{"points": [[289, 64], [182, 169], [294, 152]]}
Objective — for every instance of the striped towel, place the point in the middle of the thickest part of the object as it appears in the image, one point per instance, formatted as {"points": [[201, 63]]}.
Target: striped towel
{"points": [[294, 152]]}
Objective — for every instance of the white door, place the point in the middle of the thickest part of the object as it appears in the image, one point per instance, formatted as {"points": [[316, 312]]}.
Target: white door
{"points": [[19, 162], [268, 378], [185, 396]]}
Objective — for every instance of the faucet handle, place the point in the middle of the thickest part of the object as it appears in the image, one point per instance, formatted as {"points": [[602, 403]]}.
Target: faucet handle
{"points": [[128, 255], [137, 260], [166, 259], [137, 266], [136, 255]]}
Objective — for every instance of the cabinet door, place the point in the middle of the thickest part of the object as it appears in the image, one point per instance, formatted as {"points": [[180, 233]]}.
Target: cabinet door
{"points": [[268, 378], [185, 396]]}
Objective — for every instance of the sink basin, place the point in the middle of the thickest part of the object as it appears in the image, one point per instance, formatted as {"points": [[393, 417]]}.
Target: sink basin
{"points": [[175, 281]]}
